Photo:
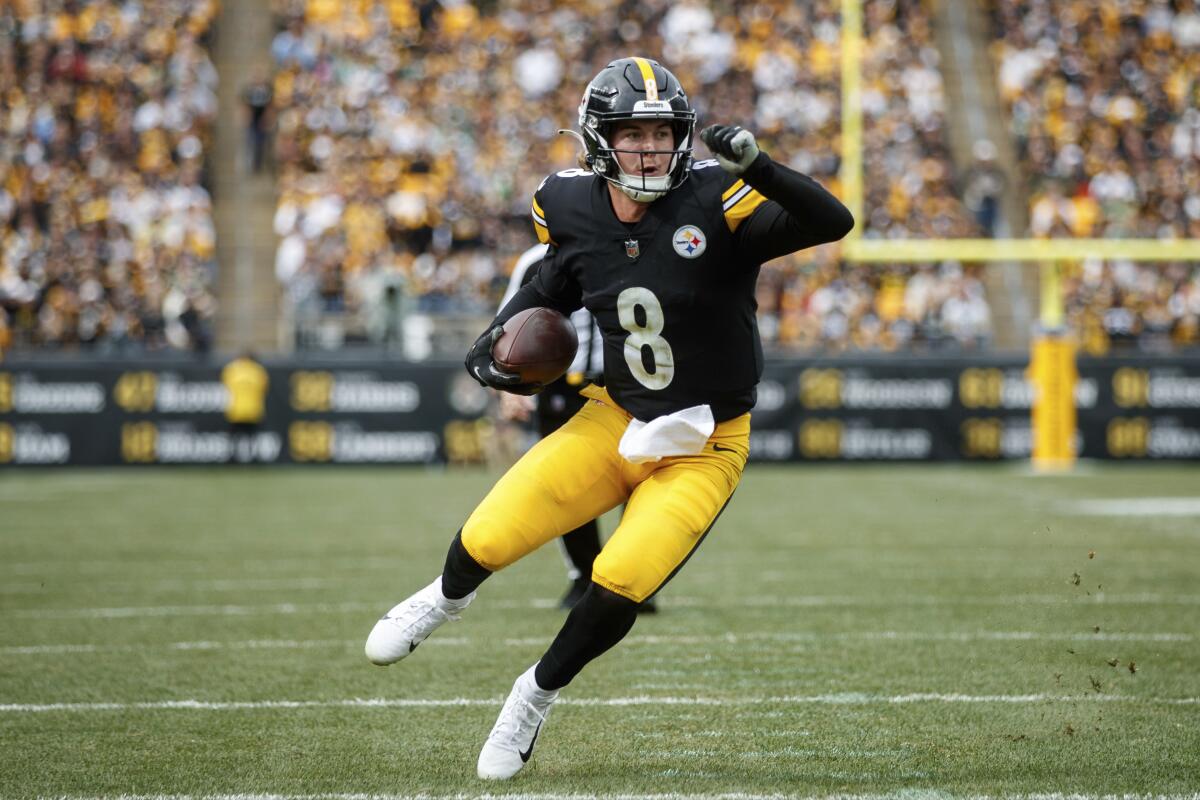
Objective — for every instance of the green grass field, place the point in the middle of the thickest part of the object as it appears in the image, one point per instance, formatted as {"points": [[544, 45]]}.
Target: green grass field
{"points": [[922, 631]]}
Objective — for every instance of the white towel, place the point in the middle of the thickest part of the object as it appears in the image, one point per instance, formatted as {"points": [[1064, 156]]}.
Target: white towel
{"points": [[683, 433]]}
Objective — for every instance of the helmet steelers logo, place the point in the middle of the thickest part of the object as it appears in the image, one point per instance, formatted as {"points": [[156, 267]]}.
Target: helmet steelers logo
{"points": [[689, 241]]}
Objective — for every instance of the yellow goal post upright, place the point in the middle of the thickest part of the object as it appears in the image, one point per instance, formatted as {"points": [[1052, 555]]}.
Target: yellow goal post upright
{"points": [[1052, 365]]}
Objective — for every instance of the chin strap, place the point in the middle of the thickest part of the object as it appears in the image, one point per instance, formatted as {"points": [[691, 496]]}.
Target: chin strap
{"points": [[639, 195], [635, 194]]}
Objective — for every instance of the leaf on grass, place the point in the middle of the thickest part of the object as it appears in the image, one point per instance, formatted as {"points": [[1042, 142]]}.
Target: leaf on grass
{"points": [[1069, 731], [1112, 662], [1132, 668], [1091, 553], [1075, 578], [1095, 629], [1016, 738], [1071, 651], [1096, 685], [1058, 677]]}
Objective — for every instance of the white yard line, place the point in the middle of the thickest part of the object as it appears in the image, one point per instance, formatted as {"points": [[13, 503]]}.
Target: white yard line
{"points": [[176, 566], [906, 794], [840, 698], [1095, 598], [902, 636], [189, 611], [207, 584], [649, 639], [252, 644]]}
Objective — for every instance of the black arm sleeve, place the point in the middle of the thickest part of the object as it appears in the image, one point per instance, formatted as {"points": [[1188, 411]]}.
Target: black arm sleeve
{"points": [[802, 215], [551, 286]]}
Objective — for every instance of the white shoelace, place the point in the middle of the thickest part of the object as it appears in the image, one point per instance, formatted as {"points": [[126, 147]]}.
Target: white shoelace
{"points": [[423, 611], [511, 718]]}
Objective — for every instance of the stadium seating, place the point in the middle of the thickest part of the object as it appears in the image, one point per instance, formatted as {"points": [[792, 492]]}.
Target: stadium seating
{"points": [[409, 144], [106, 230]]}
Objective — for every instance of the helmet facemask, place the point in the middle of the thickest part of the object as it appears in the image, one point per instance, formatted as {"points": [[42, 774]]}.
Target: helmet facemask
{"points": [[642, 188]]}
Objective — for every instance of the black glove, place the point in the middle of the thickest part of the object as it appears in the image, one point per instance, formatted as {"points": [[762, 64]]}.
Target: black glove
{"points": [[482, 368], [734, 147]]}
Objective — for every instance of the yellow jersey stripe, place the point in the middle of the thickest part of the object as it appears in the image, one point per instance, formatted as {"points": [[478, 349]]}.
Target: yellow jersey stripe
{"points": [[648, 79], [743, 208], [732, 190]]}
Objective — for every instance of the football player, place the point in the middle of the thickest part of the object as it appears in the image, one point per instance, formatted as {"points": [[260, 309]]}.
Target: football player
{"points": [[664, 253]]}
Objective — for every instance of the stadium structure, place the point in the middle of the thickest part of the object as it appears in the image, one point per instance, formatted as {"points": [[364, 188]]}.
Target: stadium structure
{"points": [[342, 189], [246, 243]]}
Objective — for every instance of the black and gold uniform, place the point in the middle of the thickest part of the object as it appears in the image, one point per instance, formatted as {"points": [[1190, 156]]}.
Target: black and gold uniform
{"points": [[674, 293], [672, 290], [673, 296]]}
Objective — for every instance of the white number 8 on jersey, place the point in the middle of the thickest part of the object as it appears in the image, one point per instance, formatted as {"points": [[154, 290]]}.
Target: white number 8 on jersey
{"points": [[648, 335]]}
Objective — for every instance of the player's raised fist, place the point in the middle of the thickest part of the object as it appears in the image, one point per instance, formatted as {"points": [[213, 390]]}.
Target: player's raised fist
{"points": [[734, 146]]}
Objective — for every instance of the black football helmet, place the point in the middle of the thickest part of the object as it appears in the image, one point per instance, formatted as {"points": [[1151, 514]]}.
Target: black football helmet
{"points": [[636, 88]]}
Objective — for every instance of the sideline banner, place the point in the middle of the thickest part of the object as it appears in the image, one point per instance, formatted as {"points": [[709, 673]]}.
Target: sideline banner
{"points": [[339, 412]]}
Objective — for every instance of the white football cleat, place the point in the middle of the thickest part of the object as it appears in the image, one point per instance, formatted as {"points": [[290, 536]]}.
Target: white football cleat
{"points": [[408, 624], [510, 744]]}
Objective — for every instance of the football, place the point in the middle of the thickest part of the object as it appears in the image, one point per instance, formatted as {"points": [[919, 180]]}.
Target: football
{"points": [[538, 344]]}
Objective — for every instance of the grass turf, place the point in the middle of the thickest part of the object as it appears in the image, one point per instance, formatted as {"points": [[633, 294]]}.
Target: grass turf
{"points": [[843, 629]]}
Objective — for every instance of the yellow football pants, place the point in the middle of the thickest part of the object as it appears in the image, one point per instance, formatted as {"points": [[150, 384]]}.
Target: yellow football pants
{"points": [[576, 474]]}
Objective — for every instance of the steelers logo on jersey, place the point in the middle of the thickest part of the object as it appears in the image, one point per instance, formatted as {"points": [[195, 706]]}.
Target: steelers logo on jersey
{"points": [[689, 241]]}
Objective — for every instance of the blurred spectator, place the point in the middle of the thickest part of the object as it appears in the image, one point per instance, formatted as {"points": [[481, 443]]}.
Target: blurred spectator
{"points": [[870, 308], [410, 140], [1103, 102], [106, 231], [1121, 306], [246, 383], [983, 183], [256, 97]]}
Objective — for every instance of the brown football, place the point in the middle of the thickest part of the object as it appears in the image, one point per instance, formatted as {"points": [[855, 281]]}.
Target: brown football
{"points": [[538, 344]]}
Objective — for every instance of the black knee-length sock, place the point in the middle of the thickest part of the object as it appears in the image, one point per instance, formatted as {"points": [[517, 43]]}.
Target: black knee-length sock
{"points": [[462, 574], [598, 621]]}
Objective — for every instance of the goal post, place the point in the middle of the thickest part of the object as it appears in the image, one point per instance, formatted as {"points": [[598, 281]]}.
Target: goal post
{"points": [[1052, 358]]}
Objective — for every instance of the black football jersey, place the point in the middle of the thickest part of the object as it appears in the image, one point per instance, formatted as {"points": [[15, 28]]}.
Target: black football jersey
{"points": [[673, 294]]}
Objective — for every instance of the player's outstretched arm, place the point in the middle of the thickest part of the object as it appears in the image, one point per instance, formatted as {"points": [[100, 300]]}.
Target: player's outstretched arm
{"points": [[806, 214]]}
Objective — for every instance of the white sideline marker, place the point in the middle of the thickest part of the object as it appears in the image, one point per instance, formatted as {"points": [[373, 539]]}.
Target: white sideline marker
{"points": [[649, 639], [906, 794], [841, 698], [1136, 507], [807, 601]]}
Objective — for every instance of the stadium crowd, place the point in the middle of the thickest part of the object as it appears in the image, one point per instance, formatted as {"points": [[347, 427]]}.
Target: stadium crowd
{"points": [[106, 229], [409, 140], [1104, 107]]}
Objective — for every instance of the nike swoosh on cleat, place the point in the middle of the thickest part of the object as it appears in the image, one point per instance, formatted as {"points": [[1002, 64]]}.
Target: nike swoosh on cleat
{"points": [[412, 646], [525, 756], [720, 449]]}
